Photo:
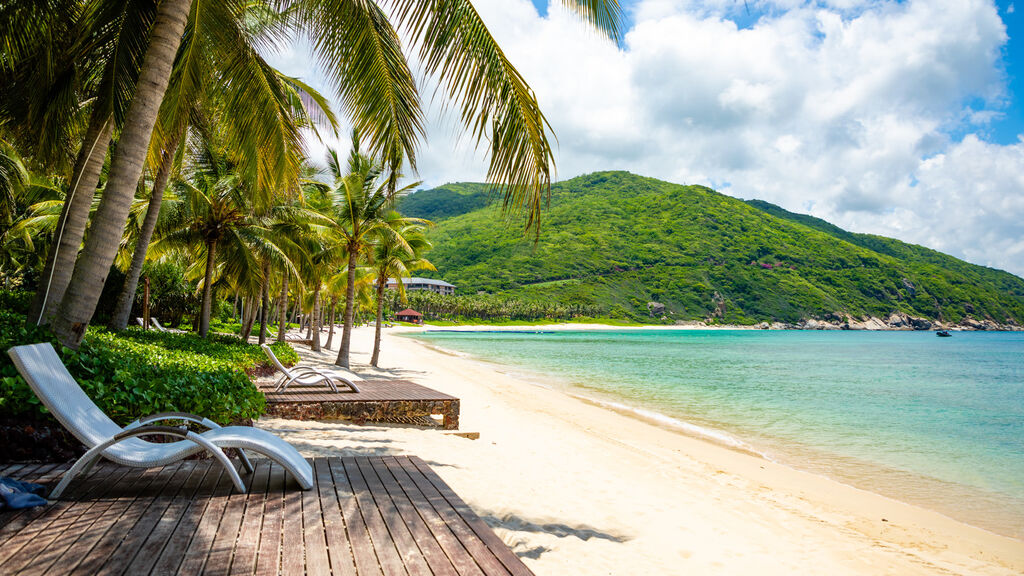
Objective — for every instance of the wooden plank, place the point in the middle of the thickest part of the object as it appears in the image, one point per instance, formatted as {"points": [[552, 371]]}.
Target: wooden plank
{"points": [[194, 559], [178, 542], [133, 499], [387, 554], [482, 530], [356, 552], [244, 560], [73, 538], [314, 539], [292, 537], [408, 548], [218, 561], [268, 558], [150, 549], [476, 548], [454, 549], [439, 563], [136, 535], [339, 550], [47, 524]]}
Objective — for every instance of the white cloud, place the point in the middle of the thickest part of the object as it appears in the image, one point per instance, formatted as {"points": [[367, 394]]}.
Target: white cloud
{"points": [[841, 108]]}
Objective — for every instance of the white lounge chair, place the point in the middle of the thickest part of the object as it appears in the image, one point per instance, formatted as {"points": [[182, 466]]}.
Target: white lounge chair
{"points": [[304, 375], [153, 324], [156, 324], [57, 389]]}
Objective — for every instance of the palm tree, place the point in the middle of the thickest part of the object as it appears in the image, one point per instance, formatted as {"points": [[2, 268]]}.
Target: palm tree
{"points": [[397, 251], [364, 57], [360, 201]]}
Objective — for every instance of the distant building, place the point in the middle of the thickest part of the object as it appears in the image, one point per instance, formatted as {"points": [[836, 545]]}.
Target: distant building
{"points": [[409, 315], [438, 286]]}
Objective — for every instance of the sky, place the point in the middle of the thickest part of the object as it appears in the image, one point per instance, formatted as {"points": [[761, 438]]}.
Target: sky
{"points": [[896, 118]]}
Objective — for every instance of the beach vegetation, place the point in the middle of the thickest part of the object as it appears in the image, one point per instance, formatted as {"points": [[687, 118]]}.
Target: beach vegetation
{"points": [[614, 242], [133, 373], [152, 72]]}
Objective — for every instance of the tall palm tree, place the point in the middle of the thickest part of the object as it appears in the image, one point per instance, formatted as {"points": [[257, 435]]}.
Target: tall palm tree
{"points": [[361, 49], [360, 201], [396, 252]]}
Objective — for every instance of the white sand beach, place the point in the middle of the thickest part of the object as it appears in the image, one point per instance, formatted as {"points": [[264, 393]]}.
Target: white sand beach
{"points": [[577, 489]]}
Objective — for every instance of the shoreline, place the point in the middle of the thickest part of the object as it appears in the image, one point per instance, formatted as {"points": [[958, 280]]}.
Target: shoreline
{"points": [[945, 497], [555, 474]]}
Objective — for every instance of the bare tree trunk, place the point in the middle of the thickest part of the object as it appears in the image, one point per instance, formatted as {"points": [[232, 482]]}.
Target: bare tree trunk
{"points": [[60, 262], [266, 304], [248, 318], [380, 320], [123, 309], [283, 316], [330, 334], [350, 296], [204, 314], [83, 291], [315, 321]]}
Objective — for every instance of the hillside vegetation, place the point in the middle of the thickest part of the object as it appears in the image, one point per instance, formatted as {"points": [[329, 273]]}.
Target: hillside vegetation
{"points": [[615, 241]]}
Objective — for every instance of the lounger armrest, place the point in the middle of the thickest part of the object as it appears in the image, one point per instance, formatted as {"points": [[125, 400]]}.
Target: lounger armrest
{"points": [[147, 430], [200, 420]]}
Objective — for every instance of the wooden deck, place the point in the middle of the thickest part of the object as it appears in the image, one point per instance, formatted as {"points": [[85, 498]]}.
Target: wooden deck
{"points": [[377, 400], [375, 515]]}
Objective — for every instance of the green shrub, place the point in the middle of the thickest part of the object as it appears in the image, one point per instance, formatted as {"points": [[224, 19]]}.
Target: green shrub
{"points": [[228, 349], [134, 373]]}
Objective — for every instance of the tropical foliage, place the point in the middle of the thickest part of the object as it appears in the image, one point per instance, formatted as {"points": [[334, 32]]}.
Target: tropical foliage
{"points": [[76, 76], [135, 373]]}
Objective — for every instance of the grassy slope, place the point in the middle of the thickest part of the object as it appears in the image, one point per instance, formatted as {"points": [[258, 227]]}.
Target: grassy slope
{"points": [[619, 240]]}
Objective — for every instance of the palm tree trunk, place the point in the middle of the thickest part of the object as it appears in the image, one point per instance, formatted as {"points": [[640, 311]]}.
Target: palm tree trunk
{"points": [[315, 321], [204, 314], [107, 226], [123, 309], [380, 320], [330, 335], [283, 316], [350, 297], [60, 262], [248, 319], [266, 304]]}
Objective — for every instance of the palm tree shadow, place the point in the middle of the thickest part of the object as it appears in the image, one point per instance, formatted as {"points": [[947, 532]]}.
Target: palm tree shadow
{"points": [[517, 523]]}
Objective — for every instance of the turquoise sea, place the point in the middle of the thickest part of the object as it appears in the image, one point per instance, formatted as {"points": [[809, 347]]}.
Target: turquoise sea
{"points": [[933, 421]]}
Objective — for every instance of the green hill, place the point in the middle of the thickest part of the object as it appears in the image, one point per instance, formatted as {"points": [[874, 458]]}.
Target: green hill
{"points": [[618, 241]]}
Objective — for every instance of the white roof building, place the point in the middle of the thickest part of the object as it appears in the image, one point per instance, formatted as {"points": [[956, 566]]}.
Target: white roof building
{"points": [[414, 283]]}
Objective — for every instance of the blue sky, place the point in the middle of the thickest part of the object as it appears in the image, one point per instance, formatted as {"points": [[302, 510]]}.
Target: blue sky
{"points": [[899, 118]]}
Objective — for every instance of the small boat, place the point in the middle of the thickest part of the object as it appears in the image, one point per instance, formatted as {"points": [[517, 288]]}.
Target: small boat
{"points": [[943, 334]]}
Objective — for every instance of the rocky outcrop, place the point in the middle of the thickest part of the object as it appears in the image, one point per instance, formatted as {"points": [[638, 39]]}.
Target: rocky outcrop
{"points": [[655, 309]]}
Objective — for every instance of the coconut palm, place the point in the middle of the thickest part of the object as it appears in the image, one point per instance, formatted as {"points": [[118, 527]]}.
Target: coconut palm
{"points": [[216, 217], [358, 203], [363, 55], [396, 252]]}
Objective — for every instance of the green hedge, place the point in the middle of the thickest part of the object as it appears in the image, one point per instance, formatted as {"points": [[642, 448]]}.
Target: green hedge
{"points": [[134, 373]]}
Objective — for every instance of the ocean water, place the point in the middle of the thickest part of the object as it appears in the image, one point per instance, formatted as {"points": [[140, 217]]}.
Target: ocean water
{"points": [[933, 421]]}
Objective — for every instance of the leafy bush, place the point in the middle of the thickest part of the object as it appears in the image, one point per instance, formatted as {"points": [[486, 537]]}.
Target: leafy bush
{"points": [[134, 373], [227, 349]]}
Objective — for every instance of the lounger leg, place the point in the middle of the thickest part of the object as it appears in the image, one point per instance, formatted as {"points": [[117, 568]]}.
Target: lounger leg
{"points": [[83, 464], [245, 462]]}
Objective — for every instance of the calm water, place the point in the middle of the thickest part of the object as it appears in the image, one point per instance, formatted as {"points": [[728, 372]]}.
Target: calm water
{"points": [[935, 421]]}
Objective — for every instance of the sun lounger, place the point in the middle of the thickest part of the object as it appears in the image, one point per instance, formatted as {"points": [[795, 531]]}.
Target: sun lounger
{"points": [[153, 324], [305, 375], [57, 389]]}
